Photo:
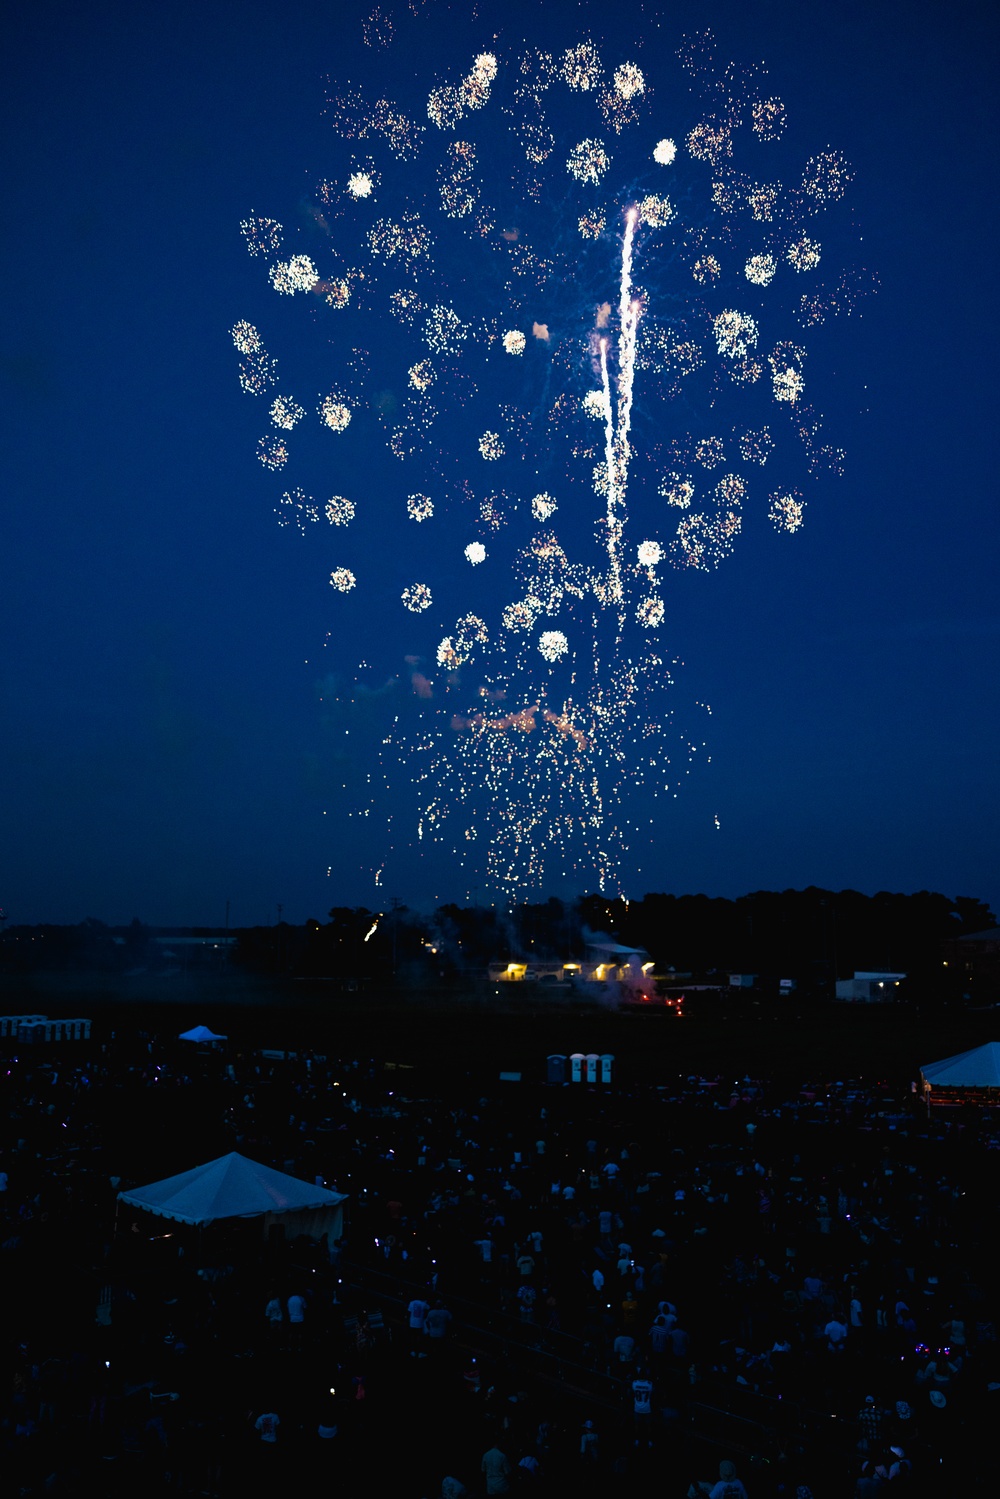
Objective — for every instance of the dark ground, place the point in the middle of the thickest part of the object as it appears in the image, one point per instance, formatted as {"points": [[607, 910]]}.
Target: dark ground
{"points": [[455, 1044], [483, 1031]]}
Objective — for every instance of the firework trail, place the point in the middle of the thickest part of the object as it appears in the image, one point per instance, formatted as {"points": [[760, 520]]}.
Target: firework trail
{"points": [[616, 441]]}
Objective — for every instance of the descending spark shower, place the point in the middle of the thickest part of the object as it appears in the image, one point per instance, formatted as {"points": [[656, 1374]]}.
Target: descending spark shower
{"points": [[458, 290]]}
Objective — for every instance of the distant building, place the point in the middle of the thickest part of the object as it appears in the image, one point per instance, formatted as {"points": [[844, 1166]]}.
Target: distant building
{"points": [[35, 1029], [606, 963], [537, 971], [870, 988], [609, 962], [974, 964], [194, 952]]}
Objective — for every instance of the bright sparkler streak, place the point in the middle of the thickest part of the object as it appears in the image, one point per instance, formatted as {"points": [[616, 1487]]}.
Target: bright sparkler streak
{"points": [[616, 435], [373, 928], [628, 316], [615, 576]]}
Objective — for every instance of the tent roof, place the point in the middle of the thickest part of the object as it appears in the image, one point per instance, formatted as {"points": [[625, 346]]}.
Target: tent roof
{"points": [[617, 949], [230, 1187], [200, 1033], [978, 1068]]}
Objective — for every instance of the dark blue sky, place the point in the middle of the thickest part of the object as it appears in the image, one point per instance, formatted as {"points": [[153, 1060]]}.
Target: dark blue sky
{"points": [[168, 738]]}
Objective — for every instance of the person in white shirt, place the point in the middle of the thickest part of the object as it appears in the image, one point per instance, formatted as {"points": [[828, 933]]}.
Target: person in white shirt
{"points": [[728, 1486], [326, 1427], [275, 1314], [417, 1310], [495, 1469], [835, 1332], [659, 1335], [642, 1408], [296, 1309]]}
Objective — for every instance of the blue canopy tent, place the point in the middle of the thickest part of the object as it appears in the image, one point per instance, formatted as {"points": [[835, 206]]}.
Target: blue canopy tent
{"points": [[232, 1188], [967, 1071]]}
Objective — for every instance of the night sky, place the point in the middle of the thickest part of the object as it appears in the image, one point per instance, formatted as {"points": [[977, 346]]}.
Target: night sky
{"points": [[185, 721]]}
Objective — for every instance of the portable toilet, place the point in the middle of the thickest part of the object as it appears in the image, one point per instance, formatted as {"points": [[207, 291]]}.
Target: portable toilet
{"points": [[607, 1061], [592, 1061], [555, 1067], [576, 1064]]}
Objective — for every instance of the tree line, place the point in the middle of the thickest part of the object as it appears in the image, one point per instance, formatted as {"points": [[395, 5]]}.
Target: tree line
{"points": [[813, 936]]}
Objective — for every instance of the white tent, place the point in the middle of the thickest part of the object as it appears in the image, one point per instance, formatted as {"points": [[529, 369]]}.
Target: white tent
{"points": [[200, 1033], [978, 1068], [233, 1188]]}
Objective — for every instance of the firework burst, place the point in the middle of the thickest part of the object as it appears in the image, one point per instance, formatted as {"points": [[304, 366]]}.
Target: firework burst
{"points": [[540, 332]]}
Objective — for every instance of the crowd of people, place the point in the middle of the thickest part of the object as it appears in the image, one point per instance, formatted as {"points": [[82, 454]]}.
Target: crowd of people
{"points": [[729, 1287]]}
